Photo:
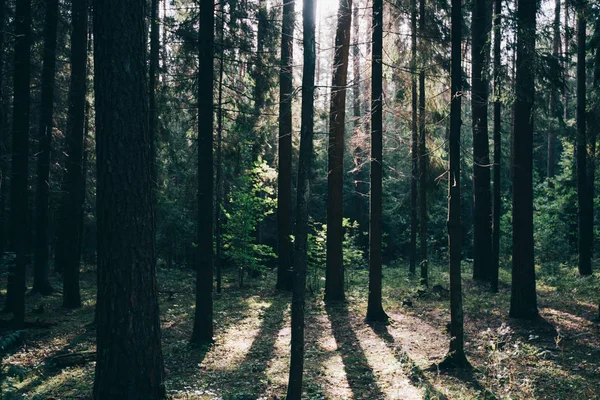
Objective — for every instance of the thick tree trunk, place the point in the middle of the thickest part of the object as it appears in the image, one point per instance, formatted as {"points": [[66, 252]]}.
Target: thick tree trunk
{"points": [[334, 276], [203, 317], [482, 206], [75, 178], [15, 298], [523, 302], [497, 202], [456, 356], [41, 284], [556, 113], [423, 156], [593, 126], [294, 391], [284, 181], [584, 210], [413, 141], [375, 312], [129, 363]]}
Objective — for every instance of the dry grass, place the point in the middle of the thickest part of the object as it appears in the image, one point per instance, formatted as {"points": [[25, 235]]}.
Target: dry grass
{"points": [[556, 357]]}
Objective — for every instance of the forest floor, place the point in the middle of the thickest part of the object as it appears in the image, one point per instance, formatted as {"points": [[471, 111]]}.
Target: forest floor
{"points": [[555, 357]]}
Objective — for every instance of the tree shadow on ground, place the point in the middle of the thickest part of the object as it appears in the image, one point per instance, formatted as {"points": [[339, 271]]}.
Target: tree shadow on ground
{"points": [[359, 373], [413, 372]]}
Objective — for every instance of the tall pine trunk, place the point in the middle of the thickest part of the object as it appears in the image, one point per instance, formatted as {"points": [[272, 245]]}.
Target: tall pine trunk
{"points": [[334, 281], [129, 363], [284, 180], [497, 198], [555, 111], [583, 191], [219, 175], [375, 312], [15, 297], [482, 206], [152, 92], [523, 301], [456, 356], [414, 222], [3, 141], [203, 317], [294, 391], [75, 176], [41, 284], [423, 156]]}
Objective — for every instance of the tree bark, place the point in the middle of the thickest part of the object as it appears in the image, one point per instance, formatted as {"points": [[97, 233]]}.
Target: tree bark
{"points": [[585, 213], [284, 181], [15, 297], [334, 273], [294, 390], [203, 317], [423, 157], [41, 284], [497, 198], [3, 141], [523, 302], [375, 312], [152, 92], [75, 177], [219, 177], [482, 206], [456, 356], [414, 222], [556, 113], [130, 363]]}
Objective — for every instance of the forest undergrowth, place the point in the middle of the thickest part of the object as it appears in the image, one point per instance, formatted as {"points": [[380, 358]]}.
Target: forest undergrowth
{"points": [[555, 357]]}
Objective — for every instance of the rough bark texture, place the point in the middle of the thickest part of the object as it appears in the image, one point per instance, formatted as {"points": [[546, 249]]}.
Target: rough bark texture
{"points": [[129, 363], [456, 356], [334, 276], [584, 211], [482, 205], [375, 311], [523, 302], [284, 181], [75, 177], [423, 156], [294, 391], [15, 298], [414, 222], [497, 198], [203, 317]]}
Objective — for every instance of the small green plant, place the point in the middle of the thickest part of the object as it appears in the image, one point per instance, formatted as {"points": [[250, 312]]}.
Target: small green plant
{"points": [[250, 202]]}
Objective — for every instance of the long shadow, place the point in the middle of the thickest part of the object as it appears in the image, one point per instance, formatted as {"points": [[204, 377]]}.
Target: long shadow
{"points": [[359, 373], [414, 373]]}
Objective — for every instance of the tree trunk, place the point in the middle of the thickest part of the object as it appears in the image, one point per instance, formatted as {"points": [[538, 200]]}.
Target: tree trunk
{"points": [[593, 126], [3, 141], [284, 181], [551, 166], [566, 65], [413, 142], [75, 178], [482, 206], [41, 284], [294, 391], [583, 192], [334, 281], [523, 303], [15, 297], [423, 157], [152, 92], [456, 356], [497, 202], [130, 363], [203, 317], [375, 312], [219, 177]]}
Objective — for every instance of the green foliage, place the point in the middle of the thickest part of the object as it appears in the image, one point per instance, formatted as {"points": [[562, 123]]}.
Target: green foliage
{"points": [[251, 200]]}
